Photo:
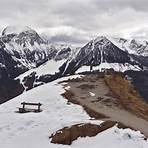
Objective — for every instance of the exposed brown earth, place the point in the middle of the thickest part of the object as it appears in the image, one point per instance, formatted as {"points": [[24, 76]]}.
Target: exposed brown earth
{"points": [[68, 134], [109, 98], [127, 95], [92, 113]]}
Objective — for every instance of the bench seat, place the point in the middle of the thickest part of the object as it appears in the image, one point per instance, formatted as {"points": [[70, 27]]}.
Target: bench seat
{"points": [[25, 110]]}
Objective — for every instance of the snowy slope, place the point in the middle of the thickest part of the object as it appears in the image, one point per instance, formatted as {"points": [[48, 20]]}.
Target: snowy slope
{"points": [[47, 72], [115, 66], [50, 67], [33, 129]]}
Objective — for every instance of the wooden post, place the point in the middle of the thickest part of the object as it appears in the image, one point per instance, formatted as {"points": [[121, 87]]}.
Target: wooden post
{"points": [[91, 67], [23, 105], [39, 107]]}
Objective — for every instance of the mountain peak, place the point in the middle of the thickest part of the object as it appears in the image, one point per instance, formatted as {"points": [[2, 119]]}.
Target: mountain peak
{"points": [[99, 38], [15, 30]]}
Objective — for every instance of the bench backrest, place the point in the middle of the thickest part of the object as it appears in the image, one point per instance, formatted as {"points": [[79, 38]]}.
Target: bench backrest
{"points": [[37, 104]]}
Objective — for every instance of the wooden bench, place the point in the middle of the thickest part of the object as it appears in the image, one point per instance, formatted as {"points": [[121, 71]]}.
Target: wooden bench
{"points": [[25, 110]]}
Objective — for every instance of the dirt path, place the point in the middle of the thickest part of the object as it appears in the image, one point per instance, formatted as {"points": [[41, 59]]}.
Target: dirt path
{"points": [[93, 93]]}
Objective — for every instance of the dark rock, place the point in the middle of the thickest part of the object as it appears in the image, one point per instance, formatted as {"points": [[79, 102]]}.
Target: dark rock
{"points": [[140, 81], [29, 81], [9, 89]]}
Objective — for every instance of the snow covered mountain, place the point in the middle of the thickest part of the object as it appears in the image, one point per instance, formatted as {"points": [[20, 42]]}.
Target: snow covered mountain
{"points": [[22, 49], [132, 46], [27, 49], [100, 54]]}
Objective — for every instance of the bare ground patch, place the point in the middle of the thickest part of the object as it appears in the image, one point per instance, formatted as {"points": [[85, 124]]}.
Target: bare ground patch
{"points": [[68, 134], [127, 96], [86, 86], [69, 95]]}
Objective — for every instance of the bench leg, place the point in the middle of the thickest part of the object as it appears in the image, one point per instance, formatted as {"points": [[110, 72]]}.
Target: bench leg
{"points": [[38, 108], [21, 110]]}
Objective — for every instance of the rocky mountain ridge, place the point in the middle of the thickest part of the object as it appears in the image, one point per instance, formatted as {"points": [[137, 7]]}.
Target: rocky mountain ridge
{"points": [[97, 52], [27, 49]]}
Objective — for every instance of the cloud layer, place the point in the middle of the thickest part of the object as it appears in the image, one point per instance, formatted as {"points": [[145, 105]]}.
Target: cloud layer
{"points": [[76, 21]]}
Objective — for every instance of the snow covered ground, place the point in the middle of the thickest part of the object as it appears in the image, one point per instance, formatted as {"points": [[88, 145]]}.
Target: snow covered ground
{"points": [[50, 67], [33, 129], [115, 66]]}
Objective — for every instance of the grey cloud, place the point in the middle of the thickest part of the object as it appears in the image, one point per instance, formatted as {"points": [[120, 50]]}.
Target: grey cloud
{"points": [[68, 39], [94, 17], [138, 5]]}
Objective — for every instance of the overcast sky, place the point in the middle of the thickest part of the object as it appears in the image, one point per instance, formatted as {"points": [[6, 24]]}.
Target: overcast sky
{"points": [[77, 21]]}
